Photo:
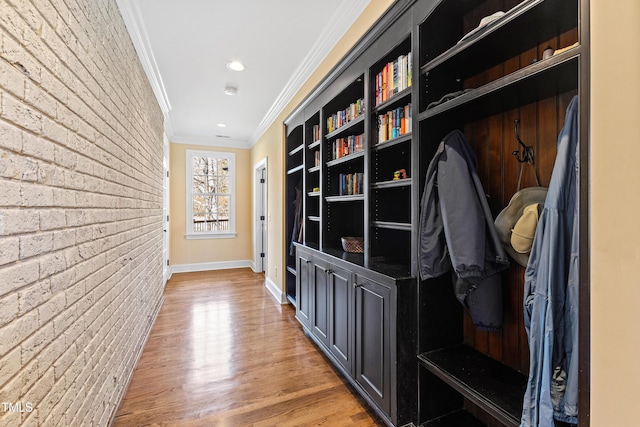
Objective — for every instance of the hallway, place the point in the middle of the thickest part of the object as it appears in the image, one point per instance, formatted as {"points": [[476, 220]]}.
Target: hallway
{"points": [[223, 352]]}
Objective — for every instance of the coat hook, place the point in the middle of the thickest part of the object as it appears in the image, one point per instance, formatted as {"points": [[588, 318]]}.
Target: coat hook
{"points": [[527, 151]]}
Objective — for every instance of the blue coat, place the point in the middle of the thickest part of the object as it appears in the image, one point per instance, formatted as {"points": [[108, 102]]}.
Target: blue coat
{"points": [[457, 232], [551, 291]]}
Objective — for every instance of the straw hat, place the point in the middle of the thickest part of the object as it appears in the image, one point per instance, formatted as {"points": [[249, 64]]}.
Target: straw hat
{"points": [[516, 224]]}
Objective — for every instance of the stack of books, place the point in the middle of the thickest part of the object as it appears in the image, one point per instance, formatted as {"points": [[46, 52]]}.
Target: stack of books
{"points": [[348, 145], [315, 133], [351, 183], [394, 123], [394, 77], [343, 117]]}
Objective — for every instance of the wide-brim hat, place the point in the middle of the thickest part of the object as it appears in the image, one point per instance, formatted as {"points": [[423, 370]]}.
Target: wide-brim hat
{"points": [[522, 214]]}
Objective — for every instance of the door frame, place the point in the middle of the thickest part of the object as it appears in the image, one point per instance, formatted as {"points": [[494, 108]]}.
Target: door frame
{"points": [[166, 268], [260, 203]]}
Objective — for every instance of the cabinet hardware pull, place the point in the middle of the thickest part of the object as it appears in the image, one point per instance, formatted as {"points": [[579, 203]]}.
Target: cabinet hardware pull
{"points": [[329, 271], [356, 286]]}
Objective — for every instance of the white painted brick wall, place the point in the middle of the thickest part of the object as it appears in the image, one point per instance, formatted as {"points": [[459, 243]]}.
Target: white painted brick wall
{"points": [[80, 210]]}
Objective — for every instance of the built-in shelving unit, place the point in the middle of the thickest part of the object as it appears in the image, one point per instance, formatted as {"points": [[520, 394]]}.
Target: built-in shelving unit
{"points": [[358, 149], [294, 181], [494, 77]]}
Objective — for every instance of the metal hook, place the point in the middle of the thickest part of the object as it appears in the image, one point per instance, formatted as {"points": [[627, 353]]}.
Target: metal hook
{"points": [[527, 151]]}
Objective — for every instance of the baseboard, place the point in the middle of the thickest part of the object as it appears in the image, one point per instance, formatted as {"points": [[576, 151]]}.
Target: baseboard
{"points": [[112, 418], [275, 290], [205, 266]]}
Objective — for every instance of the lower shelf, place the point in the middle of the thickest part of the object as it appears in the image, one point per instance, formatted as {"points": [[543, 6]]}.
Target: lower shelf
{"points": [[457, 419], [493, 387]]}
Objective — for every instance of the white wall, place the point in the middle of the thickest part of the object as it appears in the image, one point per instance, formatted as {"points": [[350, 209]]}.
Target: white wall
{"points": [[80, 211]]}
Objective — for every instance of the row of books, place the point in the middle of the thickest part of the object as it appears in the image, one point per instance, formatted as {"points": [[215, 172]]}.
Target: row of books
{"points": [[394, 77], [347, 145], [394, 123], [351, 183], [316, 158], [315, 133], [343, 117]]}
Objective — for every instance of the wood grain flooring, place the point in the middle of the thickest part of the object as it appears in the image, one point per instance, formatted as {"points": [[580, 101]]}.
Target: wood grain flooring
{"points": [[224, 353]]}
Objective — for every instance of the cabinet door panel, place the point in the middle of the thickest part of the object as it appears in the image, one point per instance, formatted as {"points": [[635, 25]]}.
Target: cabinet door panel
{"points": [[320, 289], [303, 289], [373, 341], [341, 312]]}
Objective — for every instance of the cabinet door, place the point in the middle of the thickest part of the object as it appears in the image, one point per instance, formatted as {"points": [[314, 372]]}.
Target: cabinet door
{"points": [[320, 300], [341, 317], [373, 346], [303, 289]]}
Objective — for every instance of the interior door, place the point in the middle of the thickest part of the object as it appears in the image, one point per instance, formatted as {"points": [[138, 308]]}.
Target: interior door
{"points": [[263, 219]]}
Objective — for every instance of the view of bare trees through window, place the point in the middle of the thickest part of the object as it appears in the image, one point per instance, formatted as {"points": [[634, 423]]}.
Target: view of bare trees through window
{"points": [[211, 196]]}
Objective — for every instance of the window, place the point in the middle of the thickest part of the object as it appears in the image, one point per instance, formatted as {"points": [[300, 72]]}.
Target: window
{"points": [[210, 195]]}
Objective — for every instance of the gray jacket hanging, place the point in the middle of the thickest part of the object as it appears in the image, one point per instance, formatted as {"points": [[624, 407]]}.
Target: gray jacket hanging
{"points": [[551, 291], [457, 232]]}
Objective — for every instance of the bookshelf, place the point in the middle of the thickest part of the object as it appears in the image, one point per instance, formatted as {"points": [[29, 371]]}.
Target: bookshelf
{"points": [[373, 125], [294, 183]]}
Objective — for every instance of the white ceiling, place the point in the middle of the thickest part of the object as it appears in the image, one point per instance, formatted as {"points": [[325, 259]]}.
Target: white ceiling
{"points": [[185, 45]]}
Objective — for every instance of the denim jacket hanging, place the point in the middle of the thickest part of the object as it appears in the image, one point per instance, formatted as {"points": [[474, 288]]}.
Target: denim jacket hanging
{"points": [[551, 292]]}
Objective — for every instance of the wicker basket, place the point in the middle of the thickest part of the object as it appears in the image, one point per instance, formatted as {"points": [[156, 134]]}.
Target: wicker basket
{"points": [[353, 244]]}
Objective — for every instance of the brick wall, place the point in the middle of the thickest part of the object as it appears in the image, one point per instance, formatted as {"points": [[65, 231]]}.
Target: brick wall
{"points": [[80, 211]]}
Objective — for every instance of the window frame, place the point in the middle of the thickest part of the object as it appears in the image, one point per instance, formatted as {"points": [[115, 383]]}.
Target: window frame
{"points": [[231, 159]]}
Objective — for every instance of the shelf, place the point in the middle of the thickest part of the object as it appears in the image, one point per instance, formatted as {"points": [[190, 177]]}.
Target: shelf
{"points": [[295, 169], [401, 226], [537, 81], [349, 198], [346, 158], [455, 419], [313, 193], [292, 270], [315, 169], [405, 93], [313, 218], [314, 144], [296, 150], [380, 265], [470, 55], [346, 127], [406, 182], [492, 386], [392, 142]]}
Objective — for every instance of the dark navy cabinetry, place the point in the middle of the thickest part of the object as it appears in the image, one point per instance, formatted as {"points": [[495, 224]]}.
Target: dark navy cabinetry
{"points": [[357, 152]]}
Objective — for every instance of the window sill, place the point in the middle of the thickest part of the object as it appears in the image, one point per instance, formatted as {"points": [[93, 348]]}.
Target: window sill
{"points": [[204, 236]]}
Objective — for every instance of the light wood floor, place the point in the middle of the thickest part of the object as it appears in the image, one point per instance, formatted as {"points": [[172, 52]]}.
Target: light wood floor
{"points": [[224, 353]]}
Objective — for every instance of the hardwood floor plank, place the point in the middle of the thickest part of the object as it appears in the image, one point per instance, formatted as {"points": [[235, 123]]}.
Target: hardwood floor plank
{"points": [[224, 353]]}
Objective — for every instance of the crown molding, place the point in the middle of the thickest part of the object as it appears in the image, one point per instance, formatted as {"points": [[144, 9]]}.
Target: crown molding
{"points": [[341, 20], [130, 11], [209, 141]]}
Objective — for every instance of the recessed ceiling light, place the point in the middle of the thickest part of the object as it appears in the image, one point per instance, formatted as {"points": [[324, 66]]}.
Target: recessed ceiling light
{"points": [[222, 125], [235, 66], [230, 90]]}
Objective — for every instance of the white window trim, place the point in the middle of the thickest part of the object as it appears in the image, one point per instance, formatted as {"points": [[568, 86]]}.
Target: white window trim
{"points": [[199, 235]]}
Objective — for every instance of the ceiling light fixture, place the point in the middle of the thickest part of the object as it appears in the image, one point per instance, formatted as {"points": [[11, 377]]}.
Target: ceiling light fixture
{"points": [[222, 125], [230, 90], [235, 66]]}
